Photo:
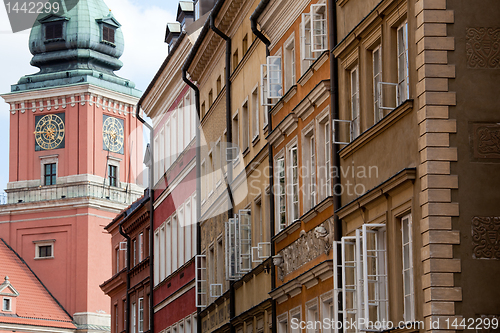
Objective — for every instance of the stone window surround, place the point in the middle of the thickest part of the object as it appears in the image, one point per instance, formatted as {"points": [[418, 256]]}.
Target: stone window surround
{"points": [[114, 161], [48, 159], [40, 243]]}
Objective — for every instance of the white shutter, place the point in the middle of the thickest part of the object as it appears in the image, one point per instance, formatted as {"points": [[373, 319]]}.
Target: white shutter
{"points": [[318, 28], [274, 77], [264, 250], [374, 296], [215, 290], [337, 123], [201, 281], [337, 285], [231, 250], [388, 95], [245, 240], [349, 278], [263, 86]]}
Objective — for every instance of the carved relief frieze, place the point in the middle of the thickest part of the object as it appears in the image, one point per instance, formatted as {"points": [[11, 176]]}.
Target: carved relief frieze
{"points": [[486, 237], [483, 47], [307, 247], [486, 140]]}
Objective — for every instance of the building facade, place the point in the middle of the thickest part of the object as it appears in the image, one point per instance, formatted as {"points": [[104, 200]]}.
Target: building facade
{"points": [[129, 287], [298, 70], [75, 156], [169, 103]]}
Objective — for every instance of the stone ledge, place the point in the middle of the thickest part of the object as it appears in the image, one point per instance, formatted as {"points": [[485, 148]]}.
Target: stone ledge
{"points": [[441, 266], [440, 237]]}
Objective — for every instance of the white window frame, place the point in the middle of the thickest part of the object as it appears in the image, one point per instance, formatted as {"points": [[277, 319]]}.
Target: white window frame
{"points": [[280, 194], [293, 314], [141, 246], [355, 102], [306, 55], [289, 62], [312, 309], [201, 300], [140, 315], [231, 249], [274, 77], [133, 314], [327, 310], [320, 33], [50, 159], [9, 302], [407, 244], [283, 325], [255, 114], [245, 240], [360, 277], [377, 79], [293, 183], [157, 257], [403, 63], [39, 244], [245, 125]]}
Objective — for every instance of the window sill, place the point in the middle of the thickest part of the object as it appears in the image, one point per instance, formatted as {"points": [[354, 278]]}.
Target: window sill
{"points": [[246, 151], [378, 128], [313, 212], [108, 43], [255, 140], [313, 68], [43, 258], [55, 40], [287, 231]]}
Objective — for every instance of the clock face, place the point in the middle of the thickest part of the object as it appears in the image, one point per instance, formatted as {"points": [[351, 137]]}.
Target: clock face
{"points": [[112, 134], [49, 132]]}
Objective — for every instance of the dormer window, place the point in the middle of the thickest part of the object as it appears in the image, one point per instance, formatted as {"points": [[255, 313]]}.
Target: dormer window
{"points": [[108, 25], [108, 34], [53, 28], [54, 31], [7, 304]]}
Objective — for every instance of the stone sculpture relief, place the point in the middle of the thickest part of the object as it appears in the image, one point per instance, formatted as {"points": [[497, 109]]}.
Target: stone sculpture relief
{"points": [[486, 140], [486, 237], [483, 47], [307, 247]]}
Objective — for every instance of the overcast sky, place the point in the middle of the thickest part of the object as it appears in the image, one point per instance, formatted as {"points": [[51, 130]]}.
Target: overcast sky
{"points": [[143, 23]]}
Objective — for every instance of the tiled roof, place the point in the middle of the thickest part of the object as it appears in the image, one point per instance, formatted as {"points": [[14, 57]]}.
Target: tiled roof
{"points": [[34, 305]]}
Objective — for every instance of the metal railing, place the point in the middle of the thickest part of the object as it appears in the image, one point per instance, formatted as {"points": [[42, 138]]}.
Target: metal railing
{"points": [[58, 192]]}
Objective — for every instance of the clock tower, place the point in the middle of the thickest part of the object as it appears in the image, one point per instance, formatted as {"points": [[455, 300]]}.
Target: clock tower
{"points": [[75, 156]]}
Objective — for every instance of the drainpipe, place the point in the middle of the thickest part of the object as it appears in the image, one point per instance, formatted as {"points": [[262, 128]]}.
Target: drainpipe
{"points": [[127, 321], [253, 20], [198, 173], [334, 113], [229, 127], [151, 225], [229, 167]]}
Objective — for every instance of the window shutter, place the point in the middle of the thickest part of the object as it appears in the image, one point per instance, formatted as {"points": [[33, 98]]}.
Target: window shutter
{"points": [[49, 32], [57, 30], [201, 281], [105, 33], [274, 77], [337, 284], [245, 240], [318, 28]]}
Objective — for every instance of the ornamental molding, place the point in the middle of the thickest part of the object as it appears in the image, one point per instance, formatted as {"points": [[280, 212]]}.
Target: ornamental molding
{"points": [[486, 237], [482, 46], [486, 140], [306, 248]]}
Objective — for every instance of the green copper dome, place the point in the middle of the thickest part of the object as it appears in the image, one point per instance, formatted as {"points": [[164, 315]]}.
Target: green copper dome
{"points": [[79, 45]]}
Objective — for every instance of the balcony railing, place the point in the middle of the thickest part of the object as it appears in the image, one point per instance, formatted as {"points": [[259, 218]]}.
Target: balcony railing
{"points": [[58, 192]]}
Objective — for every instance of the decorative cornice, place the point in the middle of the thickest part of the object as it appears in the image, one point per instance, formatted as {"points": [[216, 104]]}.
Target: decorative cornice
{"points": [[385, 187]]}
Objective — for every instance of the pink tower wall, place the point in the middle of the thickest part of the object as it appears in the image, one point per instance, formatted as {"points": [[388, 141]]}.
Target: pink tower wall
{"points": [[82, 256]]}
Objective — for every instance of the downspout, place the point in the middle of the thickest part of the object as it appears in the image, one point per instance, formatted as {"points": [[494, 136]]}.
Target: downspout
{"points": [[127, 321], [198, 173], [229, 127], [253, 20], [229, 166], [334, 113], [151, 225]]}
